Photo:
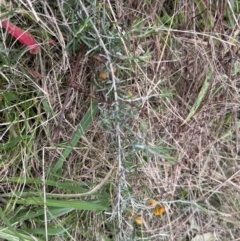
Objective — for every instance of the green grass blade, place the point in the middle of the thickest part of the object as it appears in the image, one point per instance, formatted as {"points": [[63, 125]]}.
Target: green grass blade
{"points": [[200, 97], [87, 119], [38, 213], [53, 212], [67, 185], [6, 234], [76, 204], [10, 228], [41, 231]]}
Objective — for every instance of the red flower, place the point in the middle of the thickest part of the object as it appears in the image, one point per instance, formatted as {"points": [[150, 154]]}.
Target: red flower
{"points": [[22, 36]]}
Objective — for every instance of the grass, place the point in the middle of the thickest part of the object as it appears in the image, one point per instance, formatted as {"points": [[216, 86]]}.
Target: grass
{"points": [[152, 114]]}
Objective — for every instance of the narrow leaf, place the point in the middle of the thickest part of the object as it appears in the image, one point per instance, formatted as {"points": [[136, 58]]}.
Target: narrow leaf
{"points": [[82, 127], [200, 97], [76, 204]]}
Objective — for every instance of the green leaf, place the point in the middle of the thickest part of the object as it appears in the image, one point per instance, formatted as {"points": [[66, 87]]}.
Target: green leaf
{"points": [[14, 142], [10, 96], [46, 107]]}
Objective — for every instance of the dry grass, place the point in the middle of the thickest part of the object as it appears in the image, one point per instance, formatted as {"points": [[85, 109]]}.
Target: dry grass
{"points": [[145, 62]]}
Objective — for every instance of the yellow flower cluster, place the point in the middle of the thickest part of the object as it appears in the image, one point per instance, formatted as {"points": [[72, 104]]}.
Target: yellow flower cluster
{"points": [[156, 208]]}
